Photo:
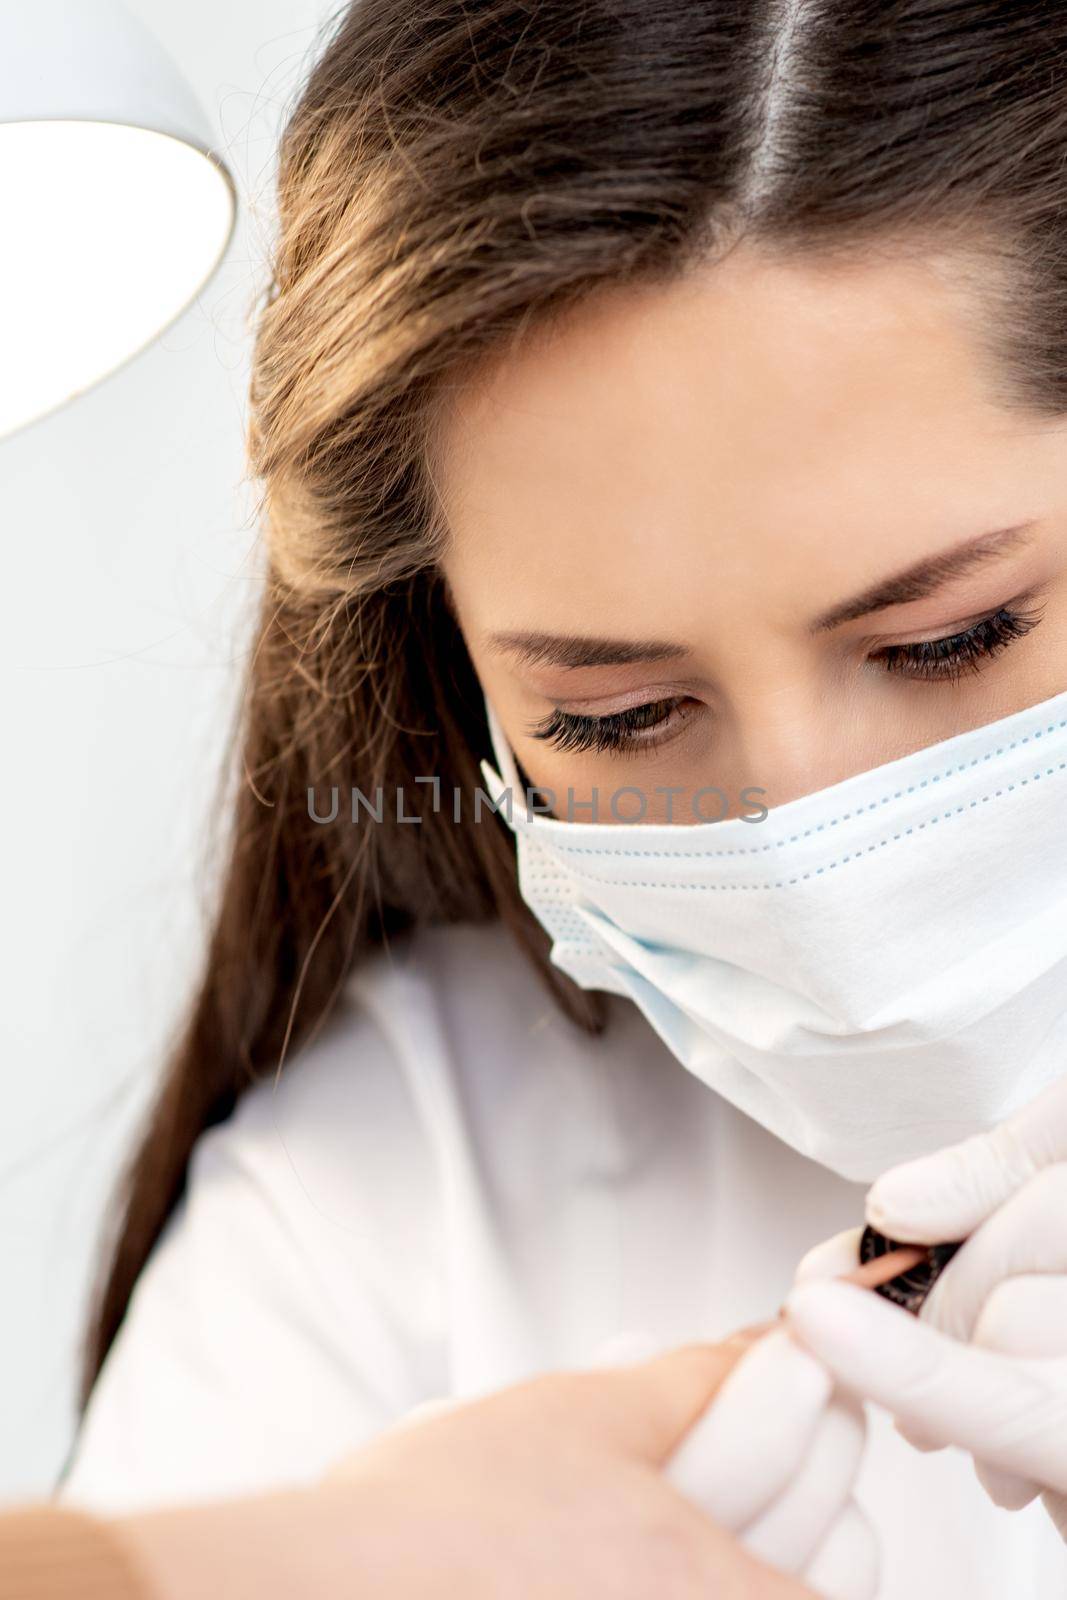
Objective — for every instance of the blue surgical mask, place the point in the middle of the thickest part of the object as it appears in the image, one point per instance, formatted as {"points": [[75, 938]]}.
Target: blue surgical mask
{"points": [[872, 971]]}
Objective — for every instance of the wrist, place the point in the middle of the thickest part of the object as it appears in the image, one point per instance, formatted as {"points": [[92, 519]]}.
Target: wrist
{"points": [[315, 1542]]}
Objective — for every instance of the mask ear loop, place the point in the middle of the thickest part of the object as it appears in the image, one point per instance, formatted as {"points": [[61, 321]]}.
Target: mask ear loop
{"points": [[507, 774]]}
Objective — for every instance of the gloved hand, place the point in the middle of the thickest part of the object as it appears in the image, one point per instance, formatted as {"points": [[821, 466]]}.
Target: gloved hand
{"points": [[984, 1365], [774, 1459]]}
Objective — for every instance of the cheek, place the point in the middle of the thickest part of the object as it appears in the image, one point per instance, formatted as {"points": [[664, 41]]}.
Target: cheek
{"points": [[1046, 648]]}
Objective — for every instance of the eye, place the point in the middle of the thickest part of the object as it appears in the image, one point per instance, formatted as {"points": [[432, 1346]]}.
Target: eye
{"points": [[643, 727], [637, 726], [967, 651]]}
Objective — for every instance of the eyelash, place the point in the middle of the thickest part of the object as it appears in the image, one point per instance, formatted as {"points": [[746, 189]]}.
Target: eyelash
{"points": [[929, 659], [961, 652]]}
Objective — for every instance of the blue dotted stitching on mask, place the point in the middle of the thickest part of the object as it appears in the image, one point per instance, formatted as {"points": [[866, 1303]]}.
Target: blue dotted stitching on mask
{"points": [[832, 822], [784, 883]]}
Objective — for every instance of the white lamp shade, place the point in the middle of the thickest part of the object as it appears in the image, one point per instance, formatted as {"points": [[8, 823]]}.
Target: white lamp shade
{"points": [[114, 208]]}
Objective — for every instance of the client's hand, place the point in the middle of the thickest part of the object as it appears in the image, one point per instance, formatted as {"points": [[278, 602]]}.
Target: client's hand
{"points": [[563, 1487], [552, 1489]]}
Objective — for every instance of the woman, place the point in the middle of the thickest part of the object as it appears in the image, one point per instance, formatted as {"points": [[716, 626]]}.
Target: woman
{"points": [[669, 401]]}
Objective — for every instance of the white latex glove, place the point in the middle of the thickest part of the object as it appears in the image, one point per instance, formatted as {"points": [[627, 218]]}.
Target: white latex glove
{"points": [[774, 1459], [984, 1366]]}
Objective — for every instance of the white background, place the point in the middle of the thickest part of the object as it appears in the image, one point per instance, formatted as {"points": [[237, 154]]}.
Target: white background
{"points": [[130, 563]]}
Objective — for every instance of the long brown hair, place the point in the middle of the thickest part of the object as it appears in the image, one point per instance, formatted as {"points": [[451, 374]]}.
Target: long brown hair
{"points": [[453, 173]]}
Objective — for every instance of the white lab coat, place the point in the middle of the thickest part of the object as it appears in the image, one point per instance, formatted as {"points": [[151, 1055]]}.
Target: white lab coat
{"points": [[450, 1190]]}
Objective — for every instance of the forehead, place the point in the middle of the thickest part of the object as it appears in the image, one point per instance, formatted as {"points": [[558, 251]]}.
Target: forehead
{"points": [[752, 401]]}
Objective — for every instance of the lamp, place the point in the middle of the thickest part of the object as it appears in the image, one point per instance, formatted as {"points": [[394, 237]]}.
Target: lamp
{"points": [[115, 210]]}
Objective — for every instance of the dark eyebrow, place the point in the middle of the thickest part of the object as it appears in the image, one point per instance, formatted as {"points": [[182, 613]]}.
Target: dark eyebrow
{"points": [[574, 650], [921, 579]]}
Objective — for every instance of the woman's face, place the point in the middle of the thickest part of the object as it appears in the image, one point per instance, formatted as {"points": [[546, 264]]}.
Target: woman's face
{"points": [[684, 522]]}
